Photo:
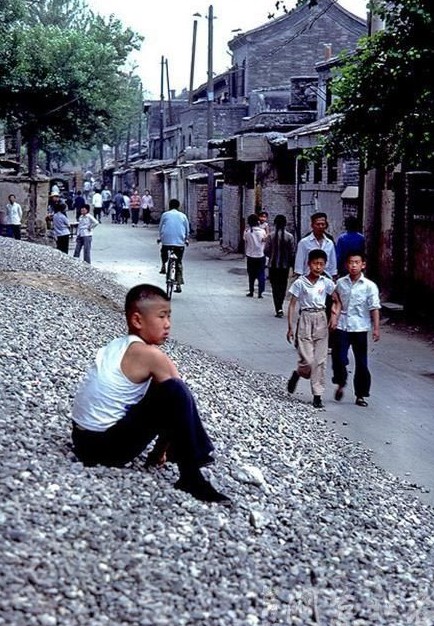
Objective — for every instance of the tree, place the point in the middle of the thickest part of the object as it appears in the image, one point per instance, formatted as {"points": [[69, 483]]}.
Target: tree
{"points": [[61, 13], [59, 84], [50, 86], [281, 6], [383, 93]]}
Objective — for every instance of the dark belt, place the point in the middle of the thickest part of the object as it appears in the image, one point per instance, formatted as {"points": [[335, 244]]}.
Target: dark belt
{"points": [[312, 310]]}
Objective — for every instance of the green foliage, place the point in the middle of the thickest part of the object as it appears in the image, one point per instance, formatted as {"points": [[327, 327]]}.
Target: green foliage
{"points": [[60, 83], [10, 12], [280, 6], [61, 13], [384, 92]]}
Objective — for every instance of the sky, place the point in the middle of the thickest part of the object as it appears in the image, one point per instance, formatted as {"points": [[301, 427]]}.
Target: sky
{"points": [[167, 29]]}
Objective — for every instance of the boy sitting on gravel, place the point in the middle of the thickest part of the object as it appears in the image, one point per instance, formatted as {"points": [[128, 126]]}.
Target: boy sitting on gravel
{"points": [[133, 392]]}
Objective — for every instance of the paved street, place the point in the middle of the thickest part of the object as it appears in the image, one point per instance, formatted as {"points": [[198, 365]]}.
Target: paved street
{"points": [[214, 315]]}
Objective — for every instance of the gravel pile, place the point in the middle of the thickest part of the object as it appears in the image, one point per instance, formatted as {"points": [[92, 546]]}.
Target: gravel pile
{"points": [[317, 533]]}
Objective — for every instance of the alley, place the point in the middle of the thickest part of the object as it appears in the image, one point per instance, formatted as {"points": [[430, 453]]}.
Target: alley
{"points": [[214, 315]]}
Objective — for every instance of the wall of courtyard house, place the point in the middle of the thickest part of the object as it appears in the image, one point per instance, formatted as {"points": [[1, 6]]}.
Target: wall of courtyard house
{"points": [[227, 120], [237, 203], [279, 199], [292, 45]]}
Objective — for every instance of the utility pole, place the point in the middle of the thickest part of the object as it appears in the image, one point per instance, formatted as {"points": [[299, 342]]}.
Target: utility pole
{"points": [[210, 87], [169, 99], [193, 59], [210, 123], [162, 108], [139, 133]]}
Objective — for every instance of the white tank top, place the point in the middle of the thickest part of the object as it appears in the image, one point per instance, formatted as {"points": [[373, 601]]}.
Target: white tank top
{"points": [[105, 393]]}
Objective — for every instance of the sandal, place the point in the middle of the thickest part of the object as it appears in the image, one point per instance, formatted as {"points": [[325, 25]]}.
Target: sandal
{"points": [[361, 402], [339, 394]]}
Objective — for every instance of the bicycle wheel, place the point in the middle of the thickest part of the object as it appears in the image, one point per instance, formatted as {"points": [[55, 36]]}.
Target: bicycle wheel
{"points": [[170, 278]]}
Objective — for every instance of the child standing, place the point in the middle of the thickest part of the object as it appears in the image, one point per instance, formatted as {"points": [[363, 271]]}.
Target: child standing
{"points": [[134, 392], [311, 334], [86, 224], [357, 310], [254, 239]]}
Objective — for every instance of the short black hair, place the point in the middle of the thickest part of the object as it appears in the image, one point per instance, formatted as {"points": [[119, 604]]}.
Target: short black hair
{"points": [[352, 223], [174, 203], [317, 216], [253, 220], [316, 254], [142, 292], [359, 253]]}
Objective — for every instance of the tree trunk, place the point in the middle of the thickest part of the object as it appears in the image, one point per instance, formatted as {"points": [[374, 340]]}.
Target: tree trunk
{"points": [[32, 153]]}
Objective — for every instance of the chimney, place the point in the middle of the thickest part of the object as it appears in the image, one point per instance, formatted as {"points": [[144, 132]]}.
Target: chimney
{"points": [[327, 51]]}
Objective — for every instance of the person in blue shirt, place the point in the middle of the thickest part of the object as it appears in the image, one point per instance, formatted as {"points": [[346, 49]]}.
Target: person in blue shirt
{"points": [[173, 233], [349, 242]]}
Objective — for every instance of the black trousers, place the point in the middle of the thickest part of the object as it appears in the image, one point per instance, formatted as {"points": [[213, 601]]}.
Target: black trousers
{"points": [[62, 243], [169, 410], [279, 281], [256, 271], [342, 341], [135, 216]]}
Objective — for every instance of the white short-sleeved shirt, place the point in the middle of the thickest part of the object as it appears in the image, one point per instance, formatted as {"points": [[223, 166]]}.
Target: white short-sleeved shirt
{"points": [[254, 241], [358, 299], [310, 242], [312, 295]]}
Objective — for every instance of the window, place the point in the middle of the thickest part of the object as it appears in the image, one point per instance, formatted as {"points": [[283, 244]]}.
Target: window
{"points": [[317, 171], [332, 171]]}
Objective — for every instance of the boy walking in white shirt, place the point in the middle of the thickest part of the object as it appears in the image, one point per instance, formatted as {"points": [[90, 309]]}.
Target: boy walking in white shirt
{"points": [[357, 310], [311, 333]]}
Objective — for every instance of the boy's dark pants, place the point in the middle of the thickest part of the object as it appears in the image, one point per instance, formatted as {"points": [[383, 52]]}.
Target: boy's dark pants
{"points": [[168, 410], [342, 341]]}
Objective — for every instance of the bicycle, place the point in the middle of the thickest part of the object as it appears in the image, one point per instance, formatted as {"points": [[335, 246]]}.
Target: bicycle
{"points": [[171, 273]]}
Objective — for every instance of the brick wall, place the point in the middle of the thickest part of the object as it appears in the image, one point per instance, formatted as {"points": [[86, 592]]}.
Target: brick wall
{"points": [[231, 229], [291, 46], [194, 128], [279, 199]]}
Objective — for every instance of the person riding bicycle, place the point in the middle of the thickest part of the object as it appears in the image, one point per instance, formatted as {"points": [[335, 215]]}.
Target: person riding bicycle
{"points": [[174, 229]]}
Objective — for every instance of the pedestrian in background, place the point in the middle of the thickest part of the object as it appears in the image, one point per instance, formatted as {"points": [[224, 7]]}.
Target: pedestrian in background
{"points": [[356, 312], [61, 229], [118, 204], [310, 335], [147, 206], [86, 224], [97, 205], [78, 204], [106, 199], [351, 241], [173, 232], [279, 248], [14, 215], [263, 221], [254, 239], [125, 212], [316, 240], [135, 204]]}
